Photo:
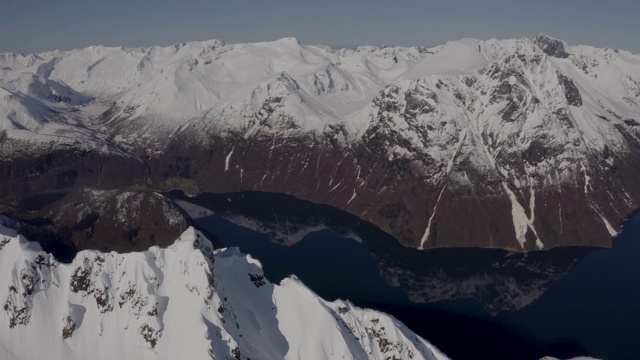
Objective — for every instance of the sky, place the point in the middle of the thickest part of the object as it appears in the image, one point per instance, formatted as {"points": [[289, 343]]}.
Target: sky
{"points": [[29, 26]]}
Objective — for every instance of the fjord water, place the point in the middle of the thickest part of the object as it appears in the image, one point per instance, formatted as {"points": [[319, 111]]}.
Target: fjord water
{"points": [[588, 304], [598, 303]]}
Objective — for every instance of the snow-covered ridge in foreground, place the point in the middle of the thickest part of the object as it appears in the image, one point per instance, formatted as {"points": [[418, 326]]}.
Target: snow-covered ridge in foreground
{"points": [[185, 301]]}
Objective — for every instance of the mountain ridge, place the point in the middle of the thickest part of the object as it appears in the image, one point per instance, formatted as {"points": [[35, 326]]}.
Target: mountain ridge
{"points": [[183, 300]]}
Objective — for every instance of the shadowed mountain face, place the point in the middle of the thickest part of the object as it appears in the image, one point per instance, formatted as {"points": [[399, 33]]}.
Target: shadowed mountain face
{"points": [[499, 280], [518, 144], [103, 220]]}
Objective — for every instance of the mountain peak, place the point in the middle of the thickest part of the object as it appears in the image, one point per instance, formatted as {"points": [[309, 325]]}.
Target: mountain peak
{"points": [[288, 40], [143, 302], [550, 46]]}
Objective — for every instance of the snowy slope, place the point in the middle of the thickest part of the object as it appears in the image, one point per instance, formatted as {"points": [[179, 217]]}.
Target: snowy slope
{"points": [[159, 89], [162, 88], [185, 301], [287, 86]]}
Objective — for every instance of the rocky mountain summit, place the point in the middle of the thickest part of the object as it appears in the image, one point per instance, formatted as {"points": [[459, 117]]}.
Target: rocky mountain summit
{"points": [[520, 144]]}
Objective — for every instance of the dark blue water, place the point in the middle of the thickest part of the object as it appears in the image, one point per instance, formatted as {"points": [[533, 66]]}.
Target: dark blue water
{"points": [[331, 265], [598, 302], [589, 302]]}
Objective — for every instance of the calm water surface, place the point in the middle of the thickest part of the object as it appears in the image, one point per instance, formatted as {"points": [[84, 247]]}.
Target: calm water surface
{"points": [[488, 304]]}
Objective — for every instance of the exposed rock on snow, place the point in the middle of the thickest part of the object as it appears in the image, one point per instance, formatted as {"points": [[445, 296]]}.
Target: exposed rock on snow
{"points": [[185, 301]]}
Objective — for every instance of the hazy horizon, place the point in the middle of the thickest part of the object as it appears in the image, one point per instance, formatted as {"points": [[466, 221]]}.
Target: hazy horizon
{"points": [[33, 26]]}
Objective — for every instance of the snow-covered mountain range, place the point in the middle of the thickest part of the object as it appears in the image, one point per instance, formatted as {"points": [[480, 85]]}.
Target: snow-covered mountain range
{"points": [[522, 144], [184, 301]]}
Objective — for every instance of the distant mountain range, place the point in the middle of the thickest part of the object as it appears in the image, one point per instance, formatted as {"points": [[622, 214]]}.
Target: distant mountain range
{"points": [[520, 144]]}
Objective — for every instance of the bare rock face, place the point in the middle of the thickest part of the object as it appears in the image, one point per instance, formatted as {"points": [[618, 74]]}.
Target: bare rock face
{"points": [[552, 47]]}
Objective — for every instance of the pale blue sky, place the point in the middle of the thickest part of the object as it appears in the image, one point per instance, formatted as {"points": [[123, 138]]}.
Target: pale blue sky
{"points": [[39, 25]]}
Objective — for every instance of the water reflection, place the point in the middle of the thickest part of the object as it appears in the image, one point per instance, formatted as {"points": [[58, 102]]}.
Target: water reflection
{"points": [[497, 279]]}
